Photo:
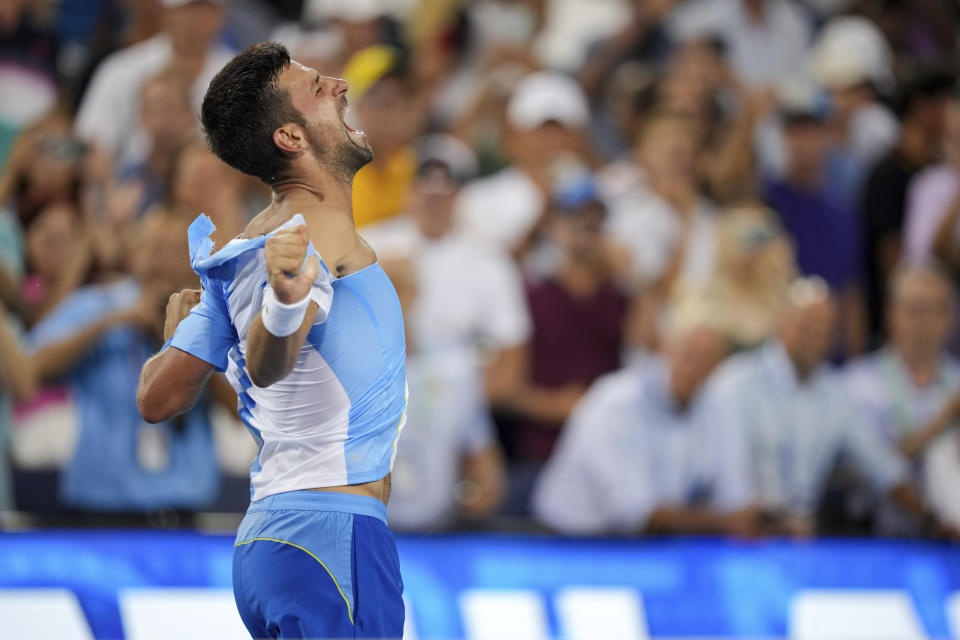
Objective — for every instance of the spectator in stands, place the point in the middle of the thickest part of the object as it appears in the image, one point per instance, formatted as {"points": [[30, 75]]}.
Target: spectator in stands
{"points": [[167, 119], [28, 73], [468, 294], [202, 183], [547, 115], [933, 202], [108, 114], [59, 257], [746, 294], [16, 384], [909, 391], [642, 453], [767, 39], [824, 231], [98, 338], [922, 111], [578, 314], [797, 417], [387, 110], [448, 467], [666, 227], [853, 62]]}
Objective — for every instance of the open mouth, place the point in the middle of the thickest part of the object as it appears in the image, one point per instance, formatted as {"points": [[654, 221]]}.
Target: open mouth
{"points": [[343, 119]]}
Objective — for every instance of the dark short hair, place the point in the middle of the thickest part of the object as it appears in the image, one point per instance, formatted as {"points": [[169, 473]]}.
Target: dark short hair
{"points": [[930, 83], [243, 107]]}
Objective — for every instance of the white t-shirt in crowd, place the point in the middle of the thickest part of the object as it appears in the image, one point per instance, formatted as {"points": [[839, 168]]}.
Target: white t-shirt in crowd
{"points": [[447, 419], [650, 229], [110, 111], [467, 294], [627, 451], [499, 210]]}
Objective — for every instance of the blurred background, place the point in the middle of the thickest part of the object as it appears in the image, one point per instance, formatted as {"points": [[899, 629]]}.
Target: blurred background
{"points": [[679, 284]]}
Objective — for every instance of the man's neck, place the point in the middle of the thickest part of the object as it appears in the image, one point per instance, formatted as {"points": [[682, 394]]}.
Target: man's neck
{"points": [[922, 368], [320, 188], [579, 280], [800, 369]]}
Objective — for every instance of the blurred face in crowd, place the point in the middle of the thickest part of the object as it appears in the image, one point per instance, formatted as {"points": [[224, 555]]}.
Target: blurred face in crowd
{"points": [[692, 355], [844, 100], [359, 34], [52, 165], [668, 147], [165, 110], [807, 141], [51, 240], [752, 249], [807, 330], [432, 197], [193, 26], [540, 146], [951, 139], [158, 255], [580, 234], [920, 313], [201, 182], [386, 114]]}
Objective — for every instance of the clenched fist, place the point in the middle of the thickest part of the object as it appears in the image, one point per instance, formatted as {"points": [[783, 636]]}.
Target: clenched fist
{"points": [[290, 277], [178, 308]]}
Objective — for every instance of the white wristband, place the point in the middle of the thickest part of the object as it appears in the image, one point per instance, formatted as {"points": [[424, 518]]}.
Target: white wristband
{"points": [[282, 319]]}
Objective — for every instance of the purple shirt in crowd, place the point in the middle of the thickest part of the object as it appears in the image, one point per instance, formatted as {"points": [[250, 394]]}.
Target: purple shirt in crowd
{"points": [[575, 340], [825, 234]]}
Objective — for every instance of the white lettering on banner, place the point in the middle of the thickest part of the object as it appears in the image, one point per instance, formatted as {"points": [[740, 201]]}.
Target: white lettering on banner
{"points": [[589, 613], [160, 614], [953, 614], [40, 614], [494, 614], [583, 613], [853, 614]]}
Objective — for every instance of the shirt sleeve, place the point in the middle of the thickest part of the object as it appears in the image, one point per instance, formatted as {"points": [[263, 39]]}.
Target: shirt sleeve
{"points": [[207, 332], [872, 455]]}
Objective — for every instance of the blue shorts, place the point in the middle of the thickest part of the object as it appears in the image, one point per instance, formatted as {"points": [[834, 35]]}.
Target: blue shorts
{"points": [[317, 564]]}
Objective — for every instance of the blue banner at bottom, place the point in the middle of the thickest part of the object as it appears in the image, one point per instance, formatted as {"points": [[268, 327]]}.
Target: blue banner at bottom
{"points": [[480, 586]]}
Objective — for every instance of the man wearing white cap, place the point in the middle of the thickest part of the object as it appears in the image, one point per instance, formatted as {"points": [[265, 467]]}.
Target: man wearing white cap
{"points": [[546, 114], [109, 112]]}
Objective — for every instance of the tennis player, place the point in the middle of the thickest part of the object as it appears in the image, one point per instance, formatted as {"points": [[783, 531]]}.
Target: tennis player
{"points": [[308, 329]]}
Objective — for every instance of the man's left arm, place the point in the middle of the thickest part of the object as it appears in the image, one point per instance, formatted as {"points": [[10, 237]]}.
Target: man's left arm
{"points": [[886, 469]]}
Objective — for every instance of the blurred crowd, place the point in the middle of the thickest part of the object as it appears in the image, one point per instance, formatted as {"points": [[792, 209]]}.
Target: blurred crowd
{"points": [[667, 266]]}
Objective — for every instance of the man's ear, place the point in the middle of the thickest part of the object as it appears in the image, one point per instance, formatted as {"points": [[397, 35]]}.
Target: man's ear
{"points": [[290, 139]]}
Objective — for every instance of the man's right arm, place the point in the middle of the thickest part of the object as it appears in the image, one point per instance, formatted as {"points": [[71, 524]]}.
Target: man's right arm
{"points": [[273, 346]]}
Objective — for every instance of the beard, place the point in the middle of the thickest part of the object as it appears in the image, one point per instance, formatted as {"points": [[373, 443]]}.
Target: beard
{"points": [[343, 157]]}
